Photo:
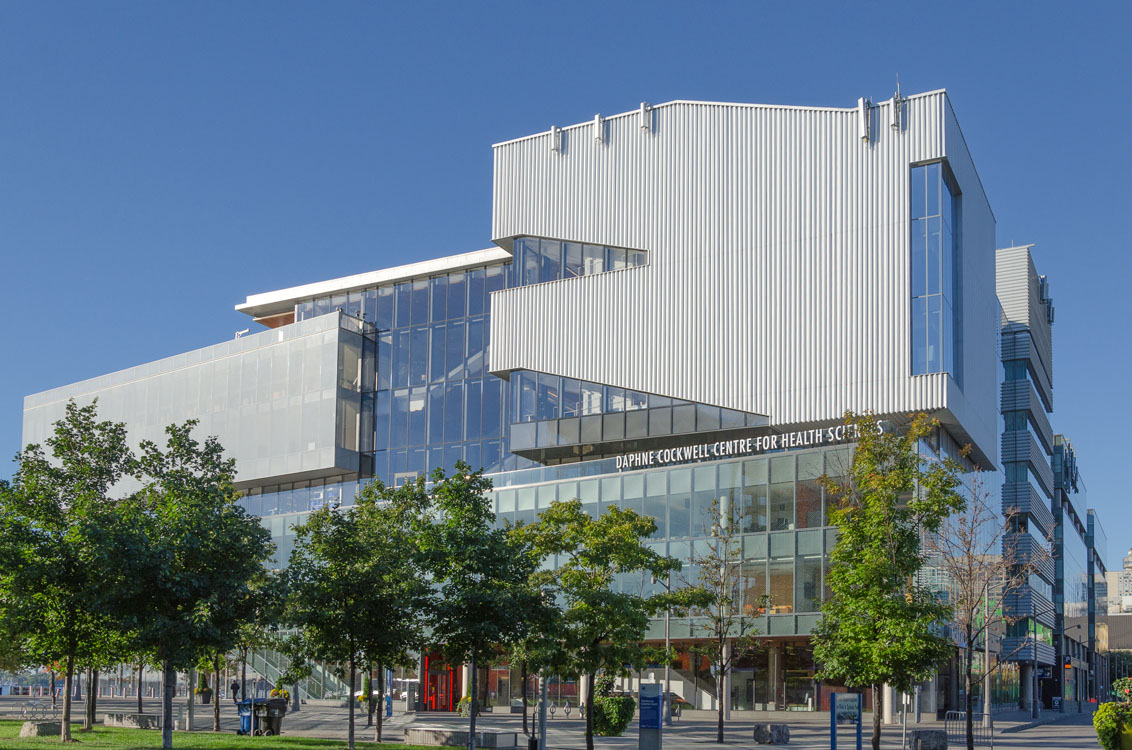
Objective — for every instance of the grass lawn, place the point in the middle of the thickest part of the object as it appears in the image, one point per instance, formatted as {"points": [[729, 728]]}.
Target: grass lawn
{"points": [[147, 739]]}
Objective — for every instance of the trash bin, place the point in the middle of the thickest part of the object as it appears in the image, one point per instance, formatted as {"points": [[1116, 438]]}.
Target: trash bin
{"points": [[274, 711], [247, 716]]}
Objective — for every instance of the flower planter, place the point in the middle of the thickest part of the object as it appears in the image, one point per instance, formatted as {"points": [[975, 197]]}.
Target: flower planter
{"points": [[205, 696]]}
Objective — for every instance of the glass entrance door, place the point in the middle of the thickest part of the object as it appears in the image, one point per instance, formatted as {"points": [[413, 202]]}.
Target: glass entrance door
{"points": [[439, 684]]}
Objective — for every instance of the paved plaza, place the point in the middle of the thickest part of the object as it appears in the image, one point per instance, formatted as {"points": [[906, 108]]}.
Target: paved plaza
{"points": [[808, 731]]}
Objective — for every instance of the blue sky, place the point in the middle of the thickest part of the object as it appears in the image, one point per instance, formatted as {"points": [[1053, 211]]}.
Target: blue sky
{"points": [[160, 161]]}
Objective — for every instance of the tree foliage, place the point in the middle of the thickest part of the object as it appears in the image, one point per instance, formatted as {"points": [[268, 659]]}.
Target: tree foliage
{"points": [[483, 596], [977, 555], [729, 624], [599, 628], [192, 555], [60, 567], [880, 625]]}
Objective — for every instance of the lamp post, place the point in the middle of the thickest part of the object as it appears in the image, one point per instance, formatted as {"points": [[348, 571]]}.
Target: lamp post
{"points": [[667, 583]]}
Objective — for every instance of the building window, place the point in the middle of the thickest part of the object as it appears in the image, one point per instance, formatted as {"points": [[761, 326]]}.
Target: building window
{"points": [[539, 260], [935, 263]]}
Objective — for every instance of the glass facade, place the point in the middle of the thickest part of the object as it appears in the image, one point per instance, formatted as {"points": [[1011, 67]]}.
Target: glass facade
{"points": [[540, 260], [432, 401], [777, 502], [935, 264]]}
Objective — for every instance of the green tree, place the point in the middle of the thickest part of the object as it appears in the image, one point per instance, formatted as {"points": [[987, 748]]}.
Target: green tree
{"points": [[600, 629], [482, 573], [60, 567], [356, 590], [728, 623], [193, 553], [880, 625], [261, 612], [977, 555], [389, 521]]}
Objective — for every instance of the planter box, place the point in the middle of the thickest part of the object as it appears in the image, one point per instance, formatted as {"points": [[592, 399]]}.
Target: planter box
{"points": [[133, 721], [450, 737]]}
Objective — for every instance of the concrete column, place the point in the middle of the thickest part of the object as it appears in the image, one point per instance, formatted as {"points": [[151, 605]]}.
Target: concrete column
{"points": [[1026, 677], [776, 676], [465, 680], [583, 689], [888, 695]]}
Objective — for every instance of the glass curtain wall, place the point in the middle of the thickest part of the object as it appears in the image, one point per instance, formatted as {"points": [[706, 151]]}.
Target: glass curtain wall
{"points": [[935, 282]]}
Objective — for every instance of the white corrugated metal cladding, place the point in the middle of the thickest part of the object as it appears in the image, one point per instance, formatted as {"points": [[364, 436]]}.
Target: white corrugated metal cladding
{"points": [[778, 274]]}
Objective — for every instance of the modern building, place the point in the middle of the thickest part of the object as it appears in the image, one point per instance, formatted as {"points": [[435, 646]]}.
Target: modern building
{"points": [[680, 304], [1054, 636], [1120, 587]]}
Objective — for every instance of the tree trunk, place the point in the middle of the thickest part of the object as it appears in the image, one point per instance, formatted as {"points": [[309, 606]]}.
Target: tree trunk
{"points": [[141, 673], [719, 683], [94, 699], [351, 701], [590, 708], [522, 673], [969, 727], [878, 709], [472, 704], [88, 706], [169, 678], [244, 675], [65, 729], [380, 700], [216, 692], [369, 697]]}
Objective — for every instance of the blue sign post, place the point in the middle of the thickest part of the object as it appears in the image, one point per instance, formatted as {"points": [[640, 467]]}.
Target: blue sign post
{"points": [[651, 717], [845, 711]]}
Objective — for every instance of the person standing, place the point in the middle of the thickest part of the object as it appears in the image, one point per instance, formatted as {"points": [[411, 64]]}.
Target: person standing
{"points": [[234, 689]]}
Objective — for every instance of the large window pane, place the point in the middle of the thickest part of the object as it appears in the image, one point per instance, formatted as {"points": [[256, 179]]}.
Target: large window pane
{"points": [[384, 308], [809, 504], [418, 364], [474, 400], [453, 413], [437, 361], [476, 292], [550, 260], [418, 416], [754, 582], [476, 348], [454, 348], [492, 406], [807, 588], [782, 506], [548, 396], [679, 503], [782, 585], [439, 298], [457, 295], [399, 418], [404, 304], [401, 358], [420, 302]]}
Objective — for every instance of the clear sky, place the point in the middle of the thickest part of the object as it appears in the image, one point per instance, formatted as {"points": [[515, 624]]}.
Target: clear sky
{"points": [[161, 161]]}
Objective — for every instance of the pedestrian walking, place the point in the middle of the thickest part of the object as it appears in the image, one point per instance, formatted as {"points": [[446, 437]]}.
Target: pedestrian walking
{"points": [[234, 688]]}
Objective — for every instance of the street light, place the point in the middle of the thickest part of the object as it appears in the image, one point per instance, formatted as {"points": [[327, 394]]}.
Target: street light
{"points": [[667, 583]]}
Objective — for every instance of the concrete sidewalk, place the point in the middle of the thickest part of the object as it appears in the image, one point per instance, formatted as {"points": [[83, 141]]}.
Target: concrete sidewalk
{"points": [[695, 730]]}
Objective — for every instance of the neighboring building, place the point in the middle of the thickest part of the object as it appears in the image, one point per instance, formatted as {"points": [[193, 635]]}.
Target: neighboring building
{"points": [[1045, 491], [1027, 451], [1120, 588], [682, 303]]}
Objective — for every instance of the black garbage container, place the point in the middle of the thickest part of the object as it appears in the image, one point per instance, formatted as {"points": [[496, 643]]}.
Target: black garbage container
{"points": [[276, 709]]}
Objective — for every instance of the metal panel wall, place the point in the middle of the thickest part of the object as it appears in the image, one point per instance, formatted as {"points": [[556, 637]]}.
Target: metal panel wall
{"points": [[778, 280], [271, 398]]}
